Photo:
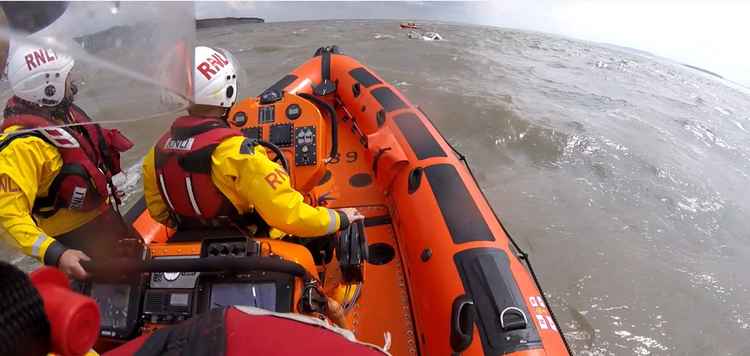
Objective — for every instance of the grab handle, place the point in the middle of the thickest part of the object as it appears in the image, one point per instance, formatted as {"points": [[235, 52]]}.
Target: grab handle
{"points": [[334, 122], [516, 319], [463, 314]]}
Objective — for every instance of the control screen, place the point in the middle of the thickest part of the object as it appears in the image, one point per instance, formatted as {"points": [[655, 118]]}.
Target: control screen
{"points": [[260, 295], [113, 302]]}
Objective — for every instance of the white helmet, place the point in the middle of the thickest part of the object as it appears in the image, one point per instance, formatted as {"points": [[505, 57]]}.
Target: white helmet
{"points": [[38, 74], [215, 77]]}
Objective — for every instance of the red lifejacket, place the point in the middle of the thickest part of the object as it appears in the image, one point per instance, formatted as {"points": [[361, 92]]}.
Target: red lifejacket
{"points": [[182, 160], [240, 331], [90, 155]]}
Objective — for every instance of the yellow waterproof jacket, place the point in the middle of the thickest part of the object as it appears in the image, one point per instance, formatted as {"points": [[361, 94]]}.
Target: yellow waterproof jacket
{"points": [[28, 165], [241, 177]]}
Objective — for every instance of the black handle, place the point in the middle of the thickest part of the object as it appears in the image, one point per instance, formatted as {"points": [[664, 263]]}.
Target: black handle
{"points": [[352, 252], [326, 86], [334, 122], [513, 318], [463, 314], [278, 153], [116, 268]]}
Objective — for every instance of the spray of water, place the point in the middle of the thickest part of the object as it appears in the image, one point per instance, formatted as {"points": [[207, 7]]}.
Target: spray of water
{"points": [[80, 54], [139, 53]]}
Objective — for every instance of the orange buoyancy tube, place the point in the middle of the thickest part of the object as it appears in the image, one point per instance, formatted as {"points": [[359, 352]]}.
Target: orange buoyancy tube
{"points": [[468, 290]]}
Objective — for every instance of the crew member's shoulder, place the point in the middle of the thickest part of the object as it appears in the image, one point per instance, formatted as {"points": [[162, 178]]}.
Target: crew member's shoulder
{"points": [[239, 145], [12, 139]]}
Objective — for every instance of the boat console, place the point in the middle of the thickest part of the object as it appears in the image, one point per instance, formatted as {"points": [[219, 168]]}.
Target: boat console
{"points": [[166, 283], [294, 124], [167, 289]]}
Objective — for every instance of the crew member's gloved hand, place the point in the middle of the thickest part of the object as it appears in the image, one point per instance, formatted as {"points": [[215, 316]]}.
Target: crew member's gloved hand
{"points": [[70, 264], [352, 214]]}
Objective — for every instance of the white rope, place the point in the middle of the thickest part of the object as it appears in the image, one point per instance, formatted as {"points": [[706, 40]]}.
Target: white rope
{"points": [[387, 344], [166, 115]]}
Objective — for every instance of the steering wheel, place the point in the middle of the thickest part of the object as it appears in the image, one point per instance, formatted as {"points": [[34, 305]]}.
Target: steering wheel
{"points": [[279, 156]]}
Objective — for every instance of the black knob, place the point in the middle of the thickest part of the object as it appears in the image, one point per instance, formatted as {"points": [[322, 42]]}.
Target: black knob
{"points": [[270, 96], [224, 250], [293, 112], [213, 250]]}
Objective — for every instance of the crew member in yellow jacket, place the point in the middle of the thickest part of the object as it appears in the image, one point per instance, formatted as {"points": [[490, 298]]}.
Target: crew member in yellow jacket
{"points": [[55, 182], [202, 171]]}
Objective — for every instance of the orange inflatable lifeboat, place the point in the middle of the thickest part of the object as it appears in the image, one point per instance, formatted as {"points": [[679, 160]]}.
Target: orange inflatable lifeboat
{"points": [[430, 271], [410, 25]]}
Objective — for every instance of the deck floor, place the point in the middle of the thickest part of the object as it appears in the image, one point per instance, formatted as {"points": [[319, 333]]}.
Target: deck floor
{"points": [[383, 306]]}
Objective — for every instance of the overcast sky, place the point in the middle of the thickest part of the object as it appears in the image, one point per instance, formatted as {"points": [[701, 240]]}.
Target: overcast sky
{"points": [[711, 34]]}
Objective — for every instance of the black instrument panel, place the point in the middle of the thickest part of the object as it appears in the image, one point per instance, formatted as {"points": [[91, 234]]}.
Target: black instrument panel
{"points": [[119, 306], [255, 133], [305, 146], [281, 135], [160, 298]]}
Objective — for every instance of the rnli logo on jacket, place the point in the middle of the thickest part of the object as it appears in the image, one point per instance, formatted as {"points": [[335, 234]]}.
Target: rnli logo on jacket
{"points": [[212, 65], [179, 145], [39, 57], [276, 177], [78, 197]]}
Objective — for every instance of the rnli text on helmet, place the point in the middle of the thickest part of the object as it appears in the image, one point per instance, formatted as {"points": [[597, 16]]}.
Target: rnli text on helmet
{"points": [[39, 57], [217, 60]]}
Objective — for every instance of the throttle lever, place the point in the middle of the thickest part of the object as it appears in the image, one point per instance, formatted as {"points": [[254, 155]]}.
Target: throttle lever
{"points": [[352, 252]]}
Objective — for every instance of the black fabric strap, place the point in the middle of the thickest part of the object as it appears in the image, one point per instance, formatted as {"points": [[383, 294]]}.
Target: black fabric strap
{"points": [[325, 66], [183, 133], [198, 161], [104, 149], [13, 136]]}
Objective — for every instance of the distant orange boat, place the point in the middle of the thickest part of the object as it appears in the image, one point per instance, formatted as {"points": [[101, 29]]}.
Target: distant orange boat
{"points": [[410, 25]]}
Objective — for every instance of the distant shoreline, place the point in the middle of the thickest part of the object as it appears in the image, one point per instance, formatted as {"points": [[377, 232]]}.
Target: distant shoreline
{"points": [[225, 21]]}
